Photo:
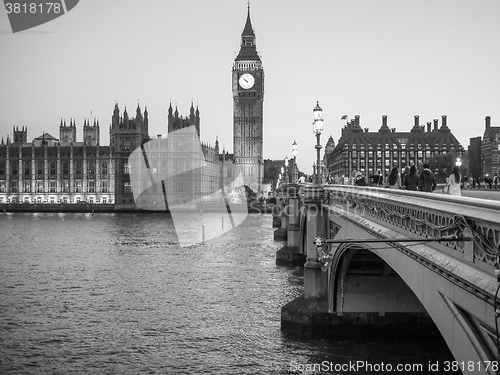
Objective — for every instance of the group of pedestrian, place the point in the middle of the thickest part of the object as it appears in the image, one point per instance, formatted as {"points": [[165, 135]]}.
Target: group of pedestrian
{"points": [[410, 179], [491, 183]]}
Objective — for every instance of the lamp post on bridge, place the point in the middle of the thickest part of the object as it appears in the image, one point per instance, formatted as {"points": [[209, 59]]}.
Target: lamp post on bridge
{"points": [[317, 129], [295, 176], [286, 170]]}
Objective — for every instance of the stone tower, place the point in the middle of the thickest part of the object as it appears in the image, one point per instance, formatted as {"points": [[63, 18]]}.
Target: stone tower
{"points": [[67, 133], [248, 97], [126, 134], [21, 136], [176, 122], [91, 133]]}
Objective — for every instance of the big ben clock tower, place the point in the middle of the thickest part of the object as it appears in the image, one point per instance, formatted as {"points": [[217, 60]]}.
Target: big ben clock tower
{"points": [[248, 97]]}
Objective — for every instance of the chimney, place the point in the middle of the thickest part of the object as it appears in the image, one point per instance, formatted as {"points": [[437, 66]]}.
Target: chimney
{"points": [[416, 121], [366, 130], [436, 124], [443, 121], [356, 120], [487, 121], [429, 127], [384, 120], [393, 130]]}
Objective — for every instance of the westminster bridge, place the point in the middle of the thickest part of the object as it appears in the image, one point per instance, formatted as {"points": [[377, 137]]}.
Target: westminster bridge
{"points": [[393, 262]]}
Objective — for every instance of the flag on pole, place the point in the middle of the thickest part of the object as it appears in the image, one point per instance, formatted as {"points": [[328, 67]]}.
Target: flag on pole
{"points": [[344, 117]]}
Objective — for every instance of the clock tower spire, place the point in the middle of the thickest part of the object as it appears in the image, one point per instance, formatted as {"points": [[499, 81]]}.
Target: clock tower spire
{"points": [[248, 97]]}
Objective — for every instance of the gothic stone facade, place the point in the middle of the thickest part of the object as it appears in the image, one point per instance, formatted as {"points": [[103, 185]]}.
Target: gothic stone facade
{"points": [[48, 170], [66, 171], [51, 170]]}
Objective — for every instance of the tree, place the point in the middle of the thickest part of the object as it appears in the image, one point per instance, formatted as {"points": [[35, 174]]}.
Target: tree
{"points": [[443, 164]]}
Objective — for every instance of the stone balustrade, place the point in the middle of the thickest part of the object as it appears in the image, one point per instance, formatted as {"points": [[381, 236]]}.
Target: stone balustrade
{"points": [[429, 215]]}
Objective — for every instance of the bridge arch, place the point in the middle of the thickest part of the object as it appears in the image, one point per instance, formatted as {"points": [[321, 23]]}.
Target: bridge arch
{"points": [[369, 295]]}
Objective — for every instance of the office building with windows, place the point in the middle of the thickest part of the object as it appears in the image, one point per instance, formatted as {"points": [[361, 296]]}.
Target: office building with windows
{"points": [[363, 151]]}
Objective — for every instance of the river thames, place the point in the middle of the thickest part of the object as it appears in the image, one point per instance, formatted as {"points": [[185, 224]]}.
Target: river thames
{"points": [[116, 294]]}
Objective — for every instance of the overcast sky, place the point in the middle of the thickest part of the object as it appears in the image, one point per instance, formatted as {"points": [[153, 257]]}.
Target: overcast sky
{"points": [[368, 58]]}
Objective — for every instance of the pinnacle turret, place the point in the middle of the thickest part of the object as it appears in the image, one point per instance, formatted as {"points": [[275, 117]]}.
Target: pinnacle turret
{"points": [[248, 30]]}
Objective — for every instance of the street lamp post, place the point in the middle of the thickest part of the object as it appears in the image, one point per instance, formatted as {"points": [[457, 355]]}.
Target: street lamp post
{"points": [[458, 163], [295, 177], [286, 170], [317, 129]]}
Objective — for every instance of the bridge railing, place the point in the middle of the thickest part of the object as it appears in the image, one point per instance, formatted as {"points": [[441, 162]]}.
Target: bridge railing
{"points": [[428, 215]]}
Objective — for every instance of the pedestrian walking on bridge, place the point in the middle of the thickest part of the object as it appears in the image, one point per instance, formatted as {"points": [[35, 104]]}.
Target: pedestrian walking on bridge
{"points": [[427, 181]]}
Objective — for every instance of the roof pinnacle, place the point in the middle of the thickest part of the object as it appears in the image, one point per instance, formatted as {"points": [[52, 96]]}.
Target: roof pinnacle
{"points": [[248, 29]]}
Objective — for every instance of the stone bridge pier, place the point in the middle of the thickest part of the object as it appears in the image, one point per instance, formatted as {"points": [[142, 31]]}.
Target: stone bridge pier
{"points": [[280, 215], [291, 254], [308, 315]]}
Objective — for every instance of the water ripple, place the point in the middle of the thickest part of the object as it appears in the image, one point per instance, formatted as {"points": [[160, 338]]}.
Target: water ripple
{"points": [[115, 294]]}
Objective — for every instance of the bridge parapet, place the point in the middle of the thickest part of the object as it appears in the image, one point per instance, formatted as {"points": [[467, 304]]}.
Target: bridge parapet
{"points": [[429, 215]]}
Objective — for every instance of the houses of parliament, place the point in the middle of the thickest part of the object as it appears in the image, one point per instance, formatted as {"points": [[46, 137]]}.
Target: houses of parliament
{"points": [[65, 170]]}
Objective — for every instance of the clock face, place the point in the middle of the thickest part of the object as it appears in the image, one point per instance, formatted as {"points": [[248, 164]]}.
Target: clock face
{"points": [[246, 81]]}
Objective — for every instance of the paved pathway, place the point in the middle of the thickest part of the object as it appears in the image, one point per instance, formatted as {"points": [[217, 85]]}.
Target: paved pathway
{"points": [[483, 193]]}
